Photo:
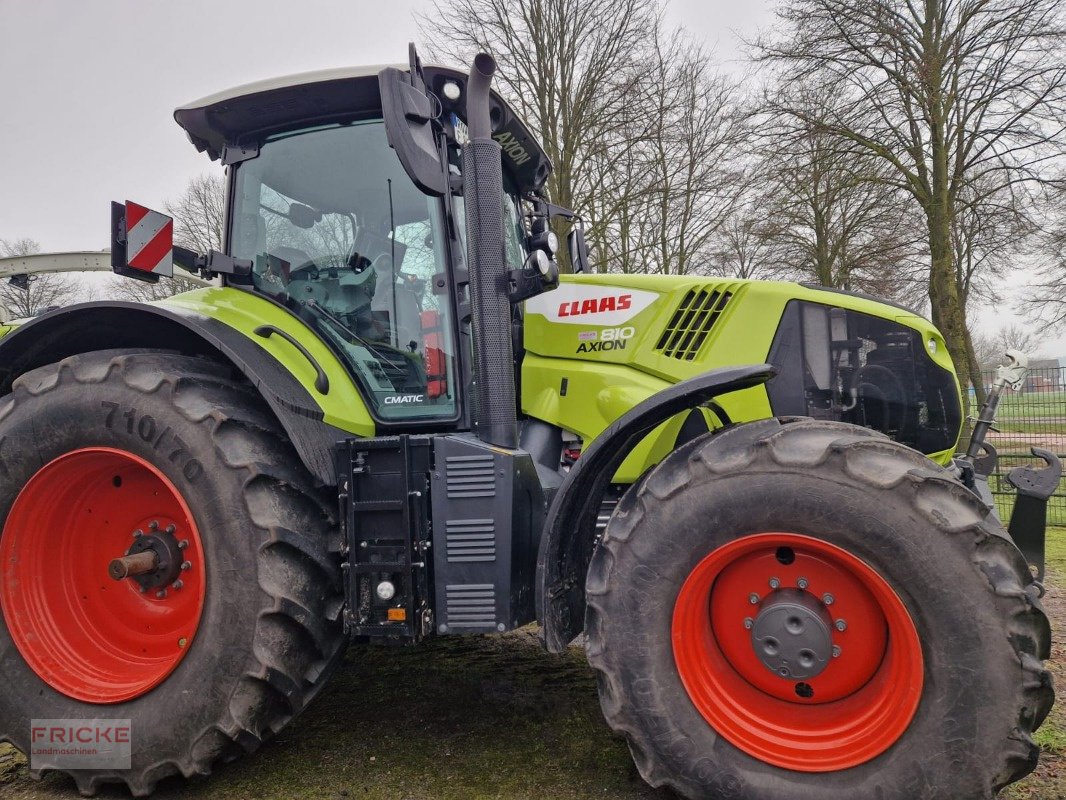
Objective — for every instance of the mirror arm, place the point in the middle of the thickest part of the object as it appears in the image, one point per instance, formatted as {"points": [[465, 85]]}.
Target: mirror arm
{"points": [[214, 263], [551, 210]]}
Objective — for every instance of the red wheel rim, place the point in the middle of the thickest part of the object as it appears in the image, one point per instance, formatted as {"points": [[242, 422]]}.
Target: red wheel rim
{"points": [[87, 635], [862, 701]]}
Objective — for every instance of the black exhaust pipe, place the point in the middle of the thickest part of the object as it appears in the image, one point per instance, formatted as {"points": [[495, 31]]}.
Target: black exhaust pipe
{"points": [[495, 408]]}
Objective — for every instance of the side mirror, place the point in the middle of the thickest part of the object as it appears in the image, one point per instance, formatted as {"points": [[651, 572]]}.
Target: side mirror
{"points": [[409, 111], [303, 216], [142, 247], [577, 249]]}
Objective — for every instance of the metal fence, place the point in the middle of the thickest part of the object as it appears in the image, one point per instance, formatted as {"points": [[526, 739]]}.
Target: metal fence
{"points": [[1034, 417]]}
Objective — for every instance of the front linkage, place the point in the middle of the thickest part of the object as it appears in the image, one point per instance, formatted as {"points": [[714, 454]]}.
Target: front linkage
{"points": [[1035, 485]]}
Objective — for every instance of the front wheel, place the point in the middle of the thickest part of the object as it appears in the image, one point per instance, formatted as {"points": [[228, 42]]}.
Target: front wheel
{"points": [[165, 559], [809, 611]]}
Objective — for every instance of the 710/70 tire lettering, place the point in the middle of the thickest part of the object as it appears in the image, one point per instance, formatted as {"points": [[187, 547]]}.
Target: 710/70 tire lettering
{"points": [[145, 426]]}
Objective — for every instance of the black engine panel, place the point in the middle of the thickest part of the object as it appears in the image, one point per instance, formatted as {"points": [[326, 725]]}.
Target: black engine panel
{"points": [[852, 367]]}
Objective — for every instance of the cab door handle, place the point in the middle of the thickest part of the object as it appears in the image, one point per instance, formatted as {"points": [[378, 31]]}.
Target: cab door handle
{"points": [[321, 379]]}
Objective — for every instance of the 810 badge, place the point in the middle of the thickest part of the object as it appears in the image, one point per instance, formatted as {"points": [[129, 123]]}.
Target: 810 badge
{"points": [[607, 339]]}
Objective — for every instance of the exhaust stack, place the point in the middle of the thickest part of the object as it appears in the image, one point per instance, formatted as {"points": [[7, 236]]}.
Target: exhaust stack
{"points": [[495, 407]]}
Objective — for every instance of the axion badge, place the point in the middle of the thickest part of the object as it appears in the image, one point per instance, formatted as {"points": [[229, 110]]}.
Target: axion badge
{"points": [[609, 339], [584, 304]]}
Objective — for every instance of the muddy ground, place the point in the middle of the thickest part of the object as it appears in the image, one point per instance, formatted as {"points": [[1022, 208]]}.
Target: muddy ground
{"points": [[474, 719]]}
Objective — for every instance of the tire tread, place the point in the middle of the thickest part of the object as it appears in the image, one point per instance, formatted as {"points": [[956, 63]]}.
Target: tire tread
{"points": [[299, 638], [946, 503]]}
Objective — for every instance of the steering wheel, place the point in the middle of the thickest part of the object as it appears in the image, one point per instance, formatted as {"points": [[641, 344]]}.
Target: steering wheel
{"points": [[314, 269]]}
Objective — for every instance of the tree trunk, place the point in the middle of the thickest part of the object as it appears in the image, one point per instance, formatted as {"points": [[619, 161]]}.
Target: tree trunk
{"points": [[976, 378], [948, 314]]}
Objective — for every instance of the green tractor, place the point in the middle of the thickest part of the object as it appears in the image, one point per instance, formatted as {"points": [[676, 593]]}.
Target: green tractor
{"points": [[395, 420]]}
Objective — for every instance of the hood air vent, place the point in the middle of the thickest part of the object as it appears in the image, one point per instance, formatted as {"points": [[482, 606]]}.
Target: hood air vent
{"points": [[692, 322]]}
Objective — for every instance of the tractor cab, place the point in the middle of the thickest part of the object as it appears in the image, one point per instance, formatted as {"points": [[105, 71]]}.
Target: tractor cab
{"points": [[356, 224]]}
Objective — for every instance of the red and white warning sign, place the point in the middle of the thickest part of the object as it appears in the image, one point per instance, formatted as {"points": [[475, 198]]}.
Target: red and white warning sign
{"points": [[149, 240]]}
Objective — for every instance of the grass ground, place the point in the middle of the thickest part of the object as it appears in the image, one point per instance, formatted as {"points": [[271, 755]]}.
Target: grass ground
{"points": [[477, 719], [457, 719], [1056, 513], [1032, 404]]}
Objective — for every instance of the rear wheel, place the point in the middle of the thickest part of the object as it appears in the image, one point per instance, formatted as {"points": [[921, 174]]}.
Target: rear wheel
{"points": [[801, 610], [166, 560]]}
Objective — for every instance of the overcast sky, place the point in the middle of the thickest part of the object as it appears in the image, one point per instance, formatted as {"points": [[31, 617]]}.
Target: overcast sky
{"points": [[87, 90]]}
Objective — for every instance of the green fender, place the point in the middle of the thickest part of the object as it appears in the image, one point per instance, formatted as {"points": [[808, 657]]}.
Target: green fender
{"points": [[299, 377]]}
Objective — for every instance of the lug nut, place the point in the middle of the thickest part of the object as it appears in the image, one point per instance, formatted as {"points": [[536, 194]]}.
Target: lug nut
{"points": [[183, 544], [138, 534], [753, 599], [841, 625], [185, 565], [153, 525], [177, 584], [749, 623], [161, 594], [836, 651], [828, 599], [171, 528], [775, 583], [802, 583]]}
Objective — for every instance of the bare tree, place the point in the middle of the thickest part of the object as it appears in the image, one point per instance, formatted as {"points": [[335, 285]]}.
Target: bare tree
{"points": [[673, 181], [746, 246], [144, 292], [1048, 293], [834, 212], [988, 232], [989, 350], [199, 214], [29, 295], [992, 224], [566, 65], [639, 129], [18, 247], [953, 94]]}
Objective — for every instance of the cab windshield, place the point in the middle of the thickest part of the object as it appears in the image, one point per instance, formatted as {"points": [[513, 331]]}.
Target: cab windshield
{"points": [[339, 234]]}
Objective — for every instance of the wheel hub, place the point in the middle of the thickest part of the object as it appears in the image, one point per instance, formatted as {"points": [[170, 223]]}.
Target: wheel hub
{"points": [[154, 560], [792, 635]]}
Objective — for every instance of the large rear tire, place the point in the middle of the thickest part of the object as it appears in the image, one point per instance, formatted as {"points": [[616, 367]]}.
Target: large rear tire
{"points": [[801, 610], [238, 627]]}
